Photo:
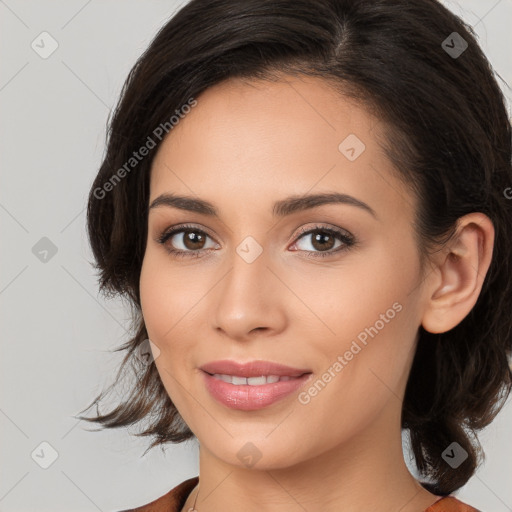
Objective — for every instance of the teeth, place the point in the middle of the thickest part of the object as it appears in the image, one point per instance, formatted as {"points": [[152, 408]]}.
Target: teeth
{"points": [[251, 381]]}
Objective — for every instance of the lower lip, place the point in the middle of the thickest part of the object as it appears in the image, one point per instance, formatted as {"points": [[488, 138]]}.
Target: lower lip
{"points": [[250, 398]]}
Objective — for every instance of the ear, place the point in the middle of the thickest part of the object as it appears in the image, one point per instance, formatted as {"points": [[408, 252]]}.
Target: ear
{"points": [[452, 289]]}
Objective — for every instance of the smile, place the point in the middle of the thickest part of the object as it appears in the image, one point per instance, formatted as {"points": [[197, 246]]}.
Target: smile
{"points": [[252, 393], [251, 381]]}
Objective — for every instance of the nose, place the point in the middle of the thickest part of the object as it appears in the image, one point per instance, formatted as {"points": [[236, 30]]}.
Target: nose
{"points": [[250, 299]]}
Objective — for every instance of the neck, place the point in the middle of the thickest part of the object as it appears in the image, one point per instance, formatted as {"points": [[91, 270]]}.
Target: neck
{"points": [[366, 472]]}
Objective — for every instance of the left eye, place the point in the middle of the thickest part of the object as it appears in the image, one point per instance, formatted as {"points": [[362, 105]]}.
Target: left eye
{"points": [[322, 240]]}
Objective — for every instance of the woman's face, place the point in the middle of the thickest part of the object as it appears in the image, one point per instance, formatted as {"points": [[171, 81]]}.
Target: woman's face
{"points": [[248, 284]]}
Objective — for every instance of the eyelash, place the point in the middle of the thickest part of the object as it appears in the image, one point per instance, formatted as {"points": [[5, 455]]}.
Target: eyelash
{"points": [[347, 239]]}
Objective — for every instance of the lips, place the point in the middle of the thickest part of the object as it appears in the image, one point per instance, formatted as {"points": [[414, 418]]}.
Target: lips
{"points": [[252, 381], [252, 397], [252, 369], [253, 385]]}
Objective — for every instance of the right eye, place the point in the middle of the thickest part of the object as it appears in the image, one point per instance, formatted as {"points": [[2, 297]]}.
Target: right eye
{"points": [[191, 239]]}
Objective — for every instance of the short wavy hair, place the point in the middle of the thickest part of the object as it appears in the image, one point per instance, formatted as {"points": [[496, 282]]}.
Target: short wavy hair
{"points": [[448, 138]]}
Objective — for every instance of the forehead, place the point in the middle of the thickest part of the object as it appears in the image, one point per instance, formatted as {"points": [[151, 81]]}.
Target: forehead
{"points": [[255, 140], [234, 116]]}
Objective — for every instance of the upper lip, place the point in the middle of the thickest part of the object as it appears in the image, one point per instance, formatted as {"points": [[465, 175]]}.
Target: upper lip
{"points": [[252, 369]]}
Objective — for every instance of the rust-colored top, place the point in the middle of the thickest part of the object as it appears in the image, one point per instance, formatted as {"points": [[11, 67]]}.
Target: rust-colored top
{"points": [[450, 504], [175, 499]]}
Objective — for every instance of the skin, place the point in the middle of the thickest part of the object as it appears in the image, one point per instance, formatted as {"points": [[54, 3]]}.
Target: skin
{"points": [[243, 147]]}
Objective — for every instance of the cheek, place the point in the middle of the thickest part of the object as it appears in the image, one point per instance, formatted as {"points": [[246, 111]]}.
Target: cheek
{"points": [[352, 297], [151, 292], [368, 314], [160, 306], [160, 298], [169, 300]]}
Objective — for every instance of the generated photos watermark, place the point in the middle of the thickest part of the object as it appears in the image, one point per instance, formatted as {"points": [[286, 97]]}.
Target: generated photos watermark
{"points": [[305, 397], [137, 156]]}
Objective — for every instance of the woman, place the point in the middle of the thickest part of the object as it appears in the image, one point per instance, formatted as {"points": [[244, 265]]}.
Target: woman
{"points": [[305, 203]]}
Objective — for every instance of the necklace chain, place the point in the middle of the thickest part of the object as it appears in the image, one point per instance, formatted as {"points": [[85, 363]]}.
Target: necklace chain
{"points": [[193, 508]]}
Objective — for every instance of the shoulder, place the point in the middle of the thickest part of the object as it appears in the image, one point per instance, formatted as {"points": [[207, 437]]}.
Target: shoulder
{"points": [[172, 501], [451, 504]]}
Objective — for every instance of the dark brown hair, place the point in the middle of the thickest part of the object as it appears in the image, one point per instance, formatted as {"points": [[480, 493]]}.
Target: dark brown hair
{"points": [[448, 138]]}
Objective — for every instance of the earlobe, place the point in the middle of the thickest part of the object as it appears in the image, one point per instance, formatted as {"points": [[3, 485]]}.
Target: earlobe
{"points": [[459, 274]]}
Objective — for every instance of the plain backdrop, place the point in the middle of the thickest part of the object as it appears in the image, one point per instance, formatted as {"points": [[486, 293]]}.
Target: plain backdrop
{"points": [[56, 331]]}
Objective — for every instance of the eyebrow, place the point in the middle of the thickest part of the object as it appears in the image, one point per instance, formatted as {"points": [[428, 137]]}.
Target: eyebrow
{"points": [[280, 208]]}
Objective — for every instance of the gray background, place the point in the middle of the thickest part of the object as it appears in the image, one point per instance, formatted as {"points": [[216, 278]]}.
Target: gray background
{"points": [[56, 332]]}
